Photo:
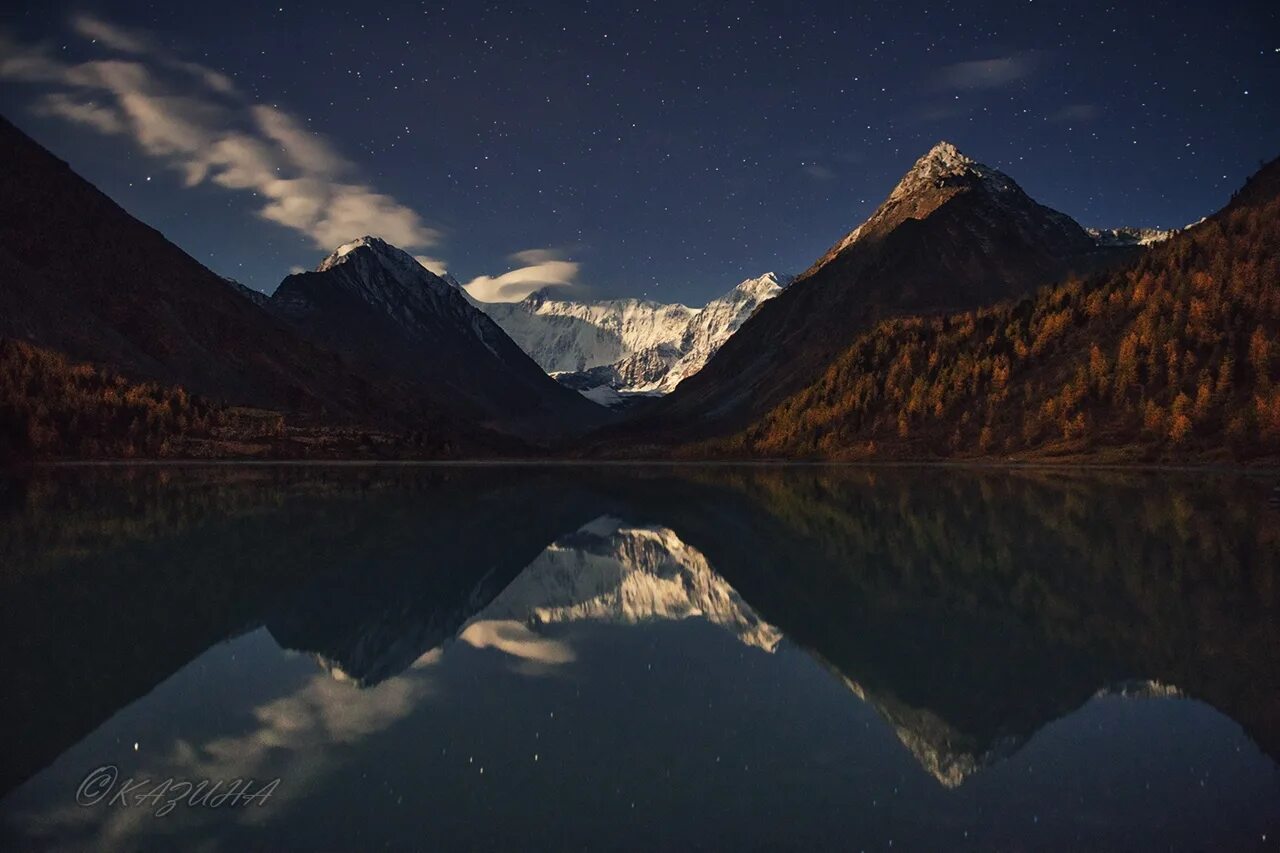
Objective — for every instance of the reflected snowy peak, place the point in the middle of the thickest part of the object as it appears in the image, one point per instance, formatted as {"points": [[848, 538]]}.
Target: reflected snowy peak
{"points": [[611, 571]]}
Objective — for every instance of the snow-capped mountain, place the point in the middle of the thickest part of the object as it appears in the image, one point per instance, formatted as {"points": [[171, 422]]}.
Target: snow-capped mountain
{"points": [[628, 345], [952, 234], [611, 571], [1126, 236], [378, 306], [941, 174], [717, 322], [565, 336]]}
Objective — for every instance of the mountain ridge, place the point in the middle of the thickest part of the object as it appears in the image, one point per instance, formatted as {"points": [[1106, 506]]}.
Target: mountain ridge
{"points": [[632, 346], [378, 306], [951, 234], [1168, 358]]}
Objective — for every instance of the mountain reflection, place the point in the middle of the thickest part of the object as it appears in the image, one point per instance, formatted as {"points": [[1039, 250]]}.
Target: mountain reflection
{"points": [[970, 609]]}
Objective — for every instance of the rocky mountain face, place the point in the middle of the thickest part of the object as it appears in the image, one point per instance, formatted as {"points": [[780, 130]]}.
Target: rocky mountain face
{"points": [[380, 308], [630, 346], [952, 234]]}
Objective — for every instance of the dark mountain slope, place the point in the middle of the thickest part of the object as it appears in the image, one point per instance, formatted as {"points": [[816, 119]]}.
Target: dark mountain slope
{"points": [[84, 277], [380, 308], [1173, 357], [952, 234]]}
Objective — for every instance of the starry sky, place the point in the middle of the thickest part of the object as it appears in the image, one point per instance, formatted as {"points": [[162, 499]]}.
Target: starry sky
{"points": [[657, 149]]}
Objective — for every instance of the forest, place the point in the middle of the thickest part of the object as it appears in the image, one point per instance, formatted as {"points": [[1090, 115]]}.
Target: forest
{"points": [[51, 406]]}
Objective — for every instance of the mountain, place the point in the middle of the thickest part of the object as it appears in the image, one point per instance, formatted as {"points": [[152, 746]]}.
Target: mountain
{"points": [[631, 346], [86, 279], [564, 336], [385, 312], [257, 297], [952, 234], [611, 571], [1126, 236], [1170, 358]]}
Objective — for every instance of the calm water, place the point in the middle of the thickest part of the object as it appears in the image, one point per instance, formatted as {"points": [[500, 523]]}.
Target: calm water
{"points": [[565, 658]]}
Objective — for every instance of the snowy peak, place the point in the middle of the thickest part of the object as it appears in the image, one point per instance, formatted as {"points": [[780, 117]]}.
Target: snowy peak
{"points": [[614, 572], [381, 275], [633, 346], [1128, 236], [943, 159], [944, 164], [368, 256], [376, 245], [376, 304], [943, 173], [765, 287], [945, 152]]}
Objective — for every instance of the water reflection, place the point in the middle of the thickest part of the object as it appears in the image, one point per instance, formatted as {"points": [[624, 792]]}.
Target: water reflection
{"points": [[806, 621]]}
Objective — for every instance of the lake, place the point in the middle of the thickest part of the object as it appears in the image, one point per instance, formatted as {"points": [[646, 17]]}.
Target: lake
{"points": [[544, 657]]}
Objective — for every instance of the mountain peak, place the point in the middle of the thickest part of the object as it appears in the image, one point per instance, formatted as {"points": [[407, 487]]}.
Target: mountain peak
{"points": [[768, 284], [373, 264], [376, 244], [942, 171], [946, 153], [944, 163]]}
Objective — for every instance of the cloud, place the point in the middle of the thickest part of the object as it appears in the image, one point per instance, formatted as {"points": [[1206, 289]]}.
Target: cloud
{"points": [[987, 73], [930, 113], [435, 265], [818, 172], [542, 268], [304, 148], [518, 640], [90, 112], [117, 38], [191, 118]]}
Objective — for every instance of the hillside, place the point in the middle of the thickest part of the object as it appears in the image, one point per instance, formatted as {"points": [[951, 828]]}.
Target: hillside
{"points": [[1172, 358], [386, 314], [952, 234], [54, 408], [85, 278]]}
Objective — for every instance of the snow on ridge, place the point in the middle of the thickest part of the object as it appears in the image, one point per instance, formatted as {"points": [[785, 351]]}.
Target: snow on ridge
{"points": [[1130, 236], [611, 571], [637, 345]]}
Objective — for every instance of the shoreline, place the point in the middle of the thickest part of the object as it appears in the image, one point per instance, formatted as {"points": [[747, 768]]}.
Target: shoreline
{"points": [[1267, 470]]}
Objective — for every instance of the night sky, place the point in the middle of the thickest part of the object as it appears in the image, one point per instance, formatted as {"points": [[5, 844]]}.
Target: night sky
{"points": [[658, 149]]}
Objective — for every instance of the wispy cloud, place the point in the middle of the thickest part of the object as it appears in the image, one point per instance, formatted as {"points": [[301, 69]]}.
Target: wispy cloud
{"points": [[435, 265], [995, 73], [115, 37], [1075, 112], [192, 118], [818, 172], [540, 268], [100, 118]]}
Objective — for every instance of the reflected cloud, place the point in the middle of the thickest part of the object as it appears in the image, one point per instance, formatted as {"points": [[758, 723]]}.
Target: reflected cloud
{"points": [[516, 639], [970, 610]]}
